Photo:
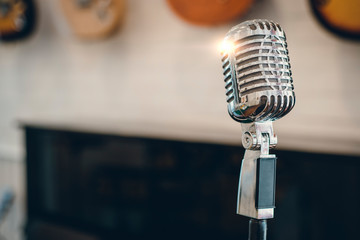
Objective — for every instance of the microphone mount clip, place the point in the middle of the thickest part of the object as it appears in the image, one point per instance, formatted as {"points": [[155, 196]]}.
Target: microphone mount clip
{"points": [[258, 136], [256, 194]]}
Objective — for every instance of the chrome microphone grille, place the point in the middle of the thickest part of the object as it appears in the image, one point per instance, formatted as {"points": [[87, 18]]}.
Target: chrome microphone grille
{"points": [[258, 81]]}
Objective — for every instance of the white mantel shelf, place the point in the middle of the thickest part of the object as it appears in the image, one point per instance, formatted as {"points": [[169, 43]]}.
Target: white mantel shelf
{"points": [[317, 139]]}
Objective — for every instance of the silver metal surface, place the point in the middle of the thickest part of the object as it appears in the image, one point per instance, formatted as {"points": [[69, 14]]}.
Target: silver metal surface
{"points": [[259, 90], [257, 72], [247, 187], [258, 138]]}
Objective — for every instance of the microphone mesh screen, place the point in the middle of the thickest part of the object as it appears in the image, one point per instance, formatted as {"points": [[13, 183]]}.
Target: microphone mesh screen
{"points": [[259, 63]]}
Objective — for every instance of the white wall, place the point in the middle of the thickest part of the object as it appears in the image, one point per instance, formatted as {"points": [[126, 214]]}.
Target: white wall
{"points": [[162, 77]]}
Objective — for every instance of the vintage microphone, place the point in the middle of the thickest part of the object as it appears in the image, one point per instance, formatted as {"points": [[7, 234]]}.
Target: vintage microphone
{"points": [[259, 90]]}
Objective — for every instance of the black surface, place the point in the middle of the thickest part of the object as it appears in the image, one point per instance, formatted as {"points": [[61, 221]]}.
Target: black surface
{"points": [[257, 229], [112, 187], [265, 183]]}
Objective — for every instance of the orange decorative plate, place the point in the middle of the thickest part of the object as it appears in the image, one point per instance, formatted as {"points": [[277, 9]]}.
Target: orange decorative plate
{"points": [[209, 12]]}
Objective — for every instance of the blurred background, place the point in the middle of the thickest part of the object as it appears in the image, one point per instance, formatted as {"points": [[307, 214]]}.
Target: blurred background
{"points": [[114, 123]]}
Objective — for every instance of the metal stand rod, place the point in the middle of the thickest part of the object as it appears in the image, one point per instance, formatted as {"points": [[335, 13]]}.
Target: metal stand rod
{"points": [[257, 229]]}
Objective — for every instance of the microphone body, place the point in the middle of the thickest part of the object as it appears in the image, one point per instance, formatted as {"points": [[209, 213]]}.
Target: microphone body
{"points": [[259, 90]]}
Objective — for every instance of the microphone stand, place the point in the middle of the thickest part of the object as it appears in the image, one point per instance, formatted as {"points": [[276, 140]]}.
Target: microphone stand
{"points": [[256, 193], [257, 229]]}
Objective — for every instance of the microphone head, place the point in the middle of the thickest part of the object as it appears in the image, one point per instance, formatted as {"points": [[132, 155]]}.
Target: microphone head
{"points": [[258, 81]]}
